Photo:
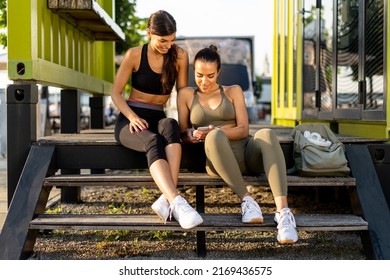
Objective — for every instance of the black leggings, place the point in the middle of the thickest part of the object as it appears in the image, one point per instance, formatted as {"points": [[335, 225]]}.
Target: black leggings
{"points": [[162, 132]]}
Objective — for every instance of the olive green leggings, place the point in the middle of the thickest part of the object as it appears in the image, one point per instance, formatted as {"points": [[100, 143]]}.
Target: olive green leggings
{"points": [[253, 155]]}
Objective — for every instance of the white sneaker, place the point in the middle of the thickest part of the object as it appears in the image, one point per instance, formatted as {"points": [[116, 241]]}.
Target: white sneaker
{"points": [[251, 212], [184, 213], [287, 232], [161, 207]]}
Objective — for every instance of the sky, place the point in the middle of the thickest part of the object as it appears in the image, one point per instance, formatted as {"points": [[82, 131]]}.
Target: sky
{"points": [[220, 18]]}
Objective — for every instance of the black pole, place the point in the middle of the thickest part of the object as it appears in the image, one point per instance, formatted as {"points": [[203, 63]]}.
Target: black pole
{"points": [[70, 123], [21, 130], [97, 121]]}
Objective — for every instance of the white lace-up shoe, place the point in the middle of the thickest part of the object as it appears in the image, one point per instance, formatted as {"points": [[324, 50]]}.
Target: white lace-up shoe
{"points": [[161, 207], [184, 213], [251, 212], [287, 232]]}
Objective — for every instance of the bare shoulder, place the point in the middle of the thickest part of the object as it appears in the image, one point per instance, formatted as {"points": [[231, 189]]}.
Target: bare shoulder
{"points": [[181, 52], [182, 56], [133, 53], [232, 91], [186, 91], [132, 57], [185, 97]]}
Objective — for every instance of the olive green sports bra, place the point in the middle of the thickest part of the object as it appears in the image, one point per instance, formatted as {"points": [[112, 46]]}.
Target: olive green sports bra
{"points": [[222, 115]]}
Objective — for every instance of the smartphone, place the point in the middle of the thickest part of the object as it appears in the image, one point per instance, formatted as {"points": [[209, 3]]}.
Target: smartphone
{"points": [[203, 128]]}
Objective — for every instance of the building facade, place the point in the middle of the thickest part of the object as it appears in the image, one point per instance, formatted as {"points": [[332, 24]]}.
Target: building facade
{"points": [[330, 65]]}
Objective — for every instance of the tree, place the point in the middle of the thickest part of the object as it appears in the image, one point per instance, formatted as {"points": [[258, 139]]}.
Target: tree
{"points": [[258, 86], [131, 25], [3, 22]]}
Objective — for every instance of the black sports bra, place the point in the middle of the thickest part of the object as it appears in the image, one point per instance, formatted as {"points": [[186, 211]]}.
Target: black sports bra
{"points": [[145, 79]]}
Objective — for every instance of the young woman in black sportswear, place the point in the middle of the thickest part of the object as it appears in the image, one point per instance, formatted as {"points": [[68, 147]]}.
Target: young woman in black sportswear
{"points": [[142, 125]]}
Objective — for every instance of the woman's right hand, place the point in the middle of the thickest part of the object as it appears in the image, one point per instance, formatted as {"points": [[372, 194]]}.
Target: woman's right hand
{"points": [[187, 136], [138, 124]]}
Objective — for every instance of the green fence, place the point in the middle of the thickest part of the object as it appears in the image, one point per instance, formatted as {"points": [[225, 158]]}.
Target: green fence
{"points": [[68, 44]]}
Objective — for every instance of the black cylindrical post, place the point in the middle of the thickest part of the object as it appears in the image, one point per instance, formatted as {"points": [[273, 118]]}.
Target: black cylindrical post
{"points": [[70, 123], [96, 103], [21, 130]]}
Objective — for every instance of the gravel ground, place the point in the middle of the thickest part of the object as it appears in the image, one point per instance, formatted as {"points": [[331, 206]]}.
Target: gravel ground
{"points": [[169, 245]]}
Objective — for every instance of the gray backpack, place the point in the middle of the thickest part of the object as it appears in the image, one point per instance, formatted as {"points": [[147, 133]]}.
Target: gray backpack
{"points": [[317, 152]]}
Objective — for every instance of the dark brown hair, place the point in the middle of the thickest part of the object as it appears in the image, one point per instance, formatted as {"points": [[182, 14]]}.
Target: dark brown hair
{"points": [[209, 54], [161, 23]]}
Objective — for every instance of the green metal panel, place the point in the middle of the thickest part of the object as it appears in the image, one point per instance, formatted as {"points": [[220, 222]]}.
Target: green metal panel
{"points": [[363, 129], [298, 74], [387, 69], [47, 48], [275, 65], [20, 47]]}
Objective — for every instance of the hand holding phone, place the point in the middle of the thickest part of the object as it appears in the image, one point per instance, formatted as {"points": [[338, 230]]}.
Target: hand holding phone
{"points": [[201, 132]]}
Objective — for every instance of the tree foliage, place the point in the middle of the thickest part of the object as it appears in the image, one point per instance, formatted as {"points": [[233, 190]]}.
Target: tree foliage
{"points": [[133, 26], [3, 22], [258, 86]]}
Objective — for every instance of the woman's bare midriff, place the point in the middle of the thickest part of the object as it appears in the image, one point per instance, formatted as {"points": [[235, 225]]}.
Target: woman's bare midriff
{"points": [[148, 98]]}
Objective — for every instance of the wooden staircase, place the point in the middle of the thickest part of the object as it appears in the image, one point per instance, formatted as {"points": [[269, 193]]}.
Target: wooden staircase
{"points": [[99, 151]]}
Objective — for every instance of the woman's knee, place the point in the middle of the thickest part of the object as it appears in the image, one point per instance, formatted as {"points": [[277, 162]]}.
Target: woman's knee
{"points": [[215, 137], [265, 134], [168, 125], [154, 149], [216, 143], [169, 129]]}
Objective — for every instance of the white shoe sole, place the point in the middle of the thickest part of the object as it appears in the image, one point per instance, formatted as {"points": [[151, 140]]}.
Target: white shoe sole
{"points": [[287, 241], [258, 220], [195, 223]]}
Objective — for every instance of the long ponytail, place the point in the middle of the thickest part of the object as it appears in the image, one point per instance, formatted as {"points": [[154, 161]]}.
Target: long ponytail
{"points": [[161, 23]]}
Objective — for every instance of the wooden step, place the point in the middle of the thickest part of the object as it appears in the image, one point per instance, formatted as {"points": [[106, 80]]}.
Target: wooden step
{"points": [[187, 179], [106, 137], [212, 222]]}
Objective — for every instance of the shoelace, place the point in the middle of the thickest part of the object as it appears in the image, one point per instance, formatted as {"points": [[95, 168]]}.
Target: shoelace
{"points": [[250, 206], [180, 204], [170, 209], [286, 220], [173, 206]]}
